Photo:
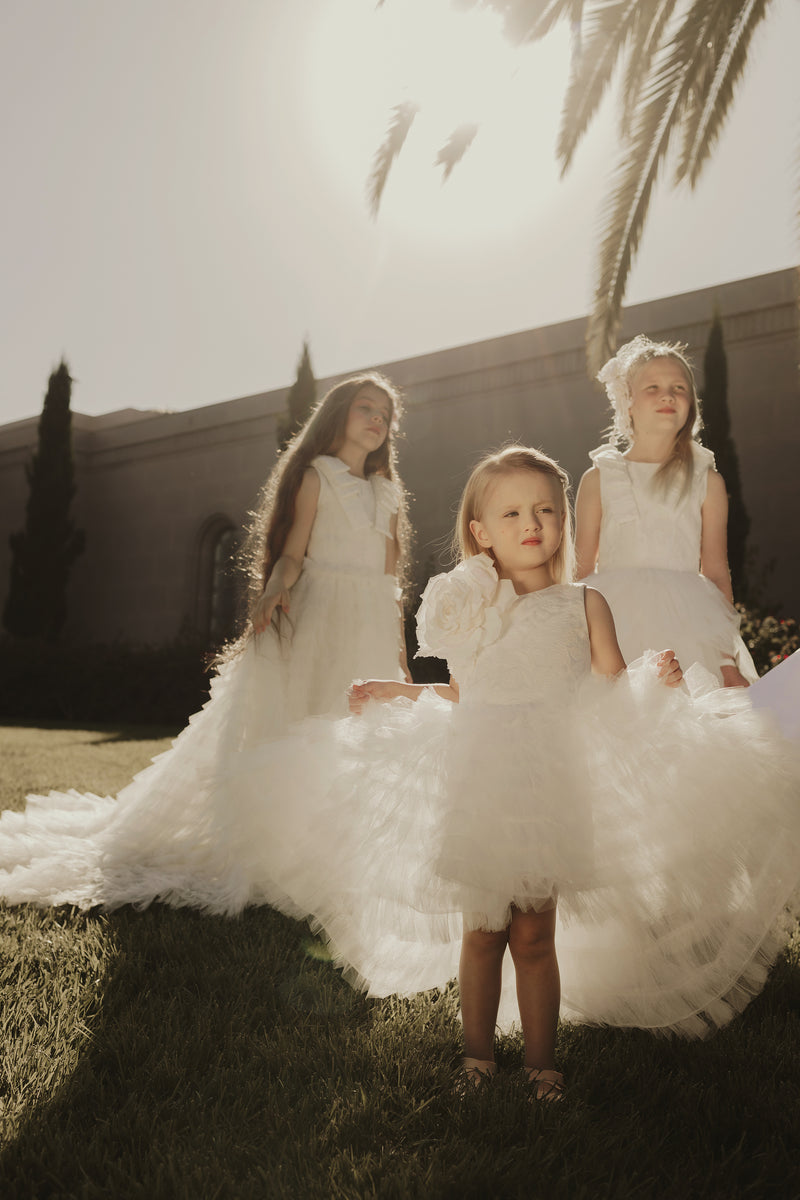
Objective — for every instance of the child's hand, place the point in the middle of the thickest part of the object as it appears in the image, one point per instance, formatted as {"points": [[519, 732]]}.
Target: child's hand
{"points": [[266, 604], [732, 676], [362, 691], [669, 669]]}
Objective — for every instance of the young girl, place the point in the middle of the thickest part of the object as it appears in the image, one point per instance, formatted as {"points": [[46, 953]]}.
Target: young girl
{"points": [[651, 514], [322, 558], [326, 546], [661, 831]]}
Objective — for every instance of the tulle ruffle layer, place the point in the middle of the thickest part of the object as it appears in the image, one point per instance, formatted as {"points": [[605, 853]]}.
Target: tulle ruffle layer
{"points": [[667, 827], [171, 834], [681, 610]]}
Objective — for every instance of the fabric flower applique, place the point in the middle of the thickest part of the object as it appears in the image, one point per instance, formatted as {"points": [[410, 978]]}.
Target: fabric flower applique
{"points": [[461, 612]]}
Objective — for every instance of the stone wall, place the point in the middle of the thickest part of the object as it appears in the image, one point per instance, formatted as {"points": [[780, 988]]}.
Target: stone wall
{"points": [[155, 489]]}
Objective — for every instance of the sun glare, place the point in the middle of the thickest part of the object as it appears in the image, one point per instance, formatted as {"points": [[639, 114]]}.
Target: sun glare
{"points": [[459, 68]]}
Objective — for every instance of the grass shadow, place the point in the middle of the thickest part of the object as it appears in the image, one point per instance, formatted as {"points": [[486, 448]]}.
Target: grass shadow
{"points": [[110, 732], [226, 1058]]}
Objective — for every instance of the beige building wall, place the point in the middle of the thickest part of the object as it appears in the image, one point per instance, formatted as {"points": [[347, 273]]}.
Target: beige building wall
{"points": [[156, 489]]}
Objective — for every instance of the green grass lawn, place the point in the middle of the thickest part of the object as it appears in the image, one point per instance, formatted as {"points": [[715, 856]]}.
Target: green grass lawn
{"points": [[168, 1054]]}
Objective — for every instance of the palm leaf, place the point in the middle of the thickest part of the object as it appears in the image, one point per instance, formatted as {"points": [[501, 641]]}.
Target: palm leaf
{"points": [[529, 20], [648, 31], [605, 32], [455, 148], [665, 94], [399, 125], [703, 125]]}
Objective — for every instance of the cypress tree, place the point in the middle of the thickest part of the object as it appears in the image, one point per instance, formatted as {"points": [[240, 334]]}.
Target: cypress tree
{"points": [[717, 437], [300, 401], [43, 552]]}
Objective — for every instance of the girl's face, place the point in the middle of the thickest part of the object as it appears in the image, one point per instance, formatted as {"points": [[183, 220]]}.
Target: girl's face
{"points": [[368, 420], [660, 397], [522, 523]]}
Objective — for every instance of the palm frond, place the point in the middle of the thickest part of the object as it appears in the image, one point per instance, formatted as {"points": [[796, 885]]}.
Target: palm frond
{"points": [[455, 148], [664, 95], [605, 32], [651, 20], [399, 125], [732, 36], [530, 20]]}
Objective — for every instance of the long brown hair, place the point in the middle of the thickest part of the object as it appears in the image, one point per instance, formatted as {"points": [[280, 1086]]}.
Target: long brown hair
{"points": [[502, 462], [323, 432]]}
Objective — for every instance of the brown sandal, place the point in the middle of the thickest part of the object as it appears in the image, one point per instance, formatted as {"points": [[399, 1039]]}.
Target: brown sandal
{"points": [[473, 1074], [549, 1084]]}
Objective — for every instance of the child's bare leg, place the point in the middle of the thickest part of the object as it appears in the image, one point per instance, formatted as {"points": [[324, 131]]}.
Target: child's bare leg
{"points": [[479, 978], [531, 939]]}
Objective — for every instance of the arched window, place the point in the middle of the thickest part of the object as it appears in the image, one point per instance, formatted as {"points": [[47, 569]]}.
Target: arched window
{"points": [[216, 600], [222, 616]]}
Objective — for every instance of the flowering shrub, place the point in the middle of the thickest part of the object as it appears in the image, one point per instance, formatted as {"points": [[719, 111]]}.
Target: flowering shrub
{"points": [[769, 639]]}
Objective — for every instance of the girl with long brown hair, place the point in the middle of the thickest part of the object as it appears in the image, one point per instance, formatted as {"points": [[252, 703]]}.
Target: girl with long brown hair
{"points": [[322, 561], [651, 518], [325, 551]]}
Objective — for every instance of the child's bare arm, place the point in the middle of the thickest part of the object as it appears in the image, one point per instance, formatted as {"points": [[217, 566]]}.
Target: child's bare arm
{"points": [[588, 513], [287, 569], [606, 655], [714, 535], [361, 692]]}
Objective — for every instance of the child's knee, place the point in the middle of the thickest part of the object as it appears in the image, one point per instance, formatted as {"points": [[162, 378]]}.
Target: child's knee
{"points": [[532, 937], [480, 945]]}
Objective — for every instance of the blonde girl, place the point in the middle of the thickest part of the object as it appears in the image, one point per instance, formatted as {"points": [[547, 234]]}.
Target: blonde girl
{"points": [[652, 836], [514, 526], [651, 517]]}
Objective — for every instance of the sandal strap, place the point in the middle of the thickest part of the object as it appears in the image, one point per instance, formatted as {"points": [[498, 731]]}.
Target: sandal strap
{"points": [[473, 1073], [484, 1066], [549, 1084], [535, 1074]]}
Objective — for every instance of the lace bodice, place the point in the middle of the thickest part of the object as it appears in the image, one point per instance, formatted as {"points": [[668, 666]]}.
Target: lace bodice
{"points": [[353, 519], [642, 527], [541, 655]]}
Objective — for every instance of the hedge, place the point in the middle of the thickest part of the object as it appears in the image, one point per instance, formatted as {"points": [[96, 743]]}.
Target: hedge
{"points": [[115, 682], [122, 682]]}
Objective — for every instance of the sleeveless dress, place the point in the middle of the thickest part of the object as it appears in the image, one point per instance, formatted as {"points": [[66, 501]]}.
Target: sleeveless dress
{"points": [[648, 566], [665, 824], [173, 834]]}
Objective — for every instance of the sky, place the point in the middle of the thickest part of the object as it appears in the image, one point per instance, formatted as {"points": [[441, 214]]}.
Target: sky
{"points": [[184, 192]]}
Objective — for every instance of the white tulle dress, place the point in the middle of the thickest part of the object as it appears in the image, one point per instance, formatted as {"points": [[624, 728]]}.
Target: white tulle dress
{"points": [[649, 561], [666, 823], [174, 832]]}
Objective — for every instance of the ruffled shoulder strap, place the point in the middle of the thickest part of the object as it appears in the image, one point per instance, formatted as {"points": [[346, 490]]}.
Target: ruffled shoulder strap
{"points": [[387, 502], [346, 488], [702, 462], [615, 484], [703, 459], [344, 485]]}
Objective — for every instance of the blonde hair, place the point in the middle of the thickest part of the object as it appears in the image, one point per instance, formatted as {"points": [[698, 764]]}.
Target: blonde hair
{"points": [[473, 501], [617, 376]]}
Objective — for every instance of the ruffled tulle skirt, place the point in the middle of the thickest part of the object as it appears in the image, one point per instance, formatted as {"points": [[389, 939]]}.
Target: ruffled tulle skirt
{"points": [[668, 828], [176, 833], [677, 609]]}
